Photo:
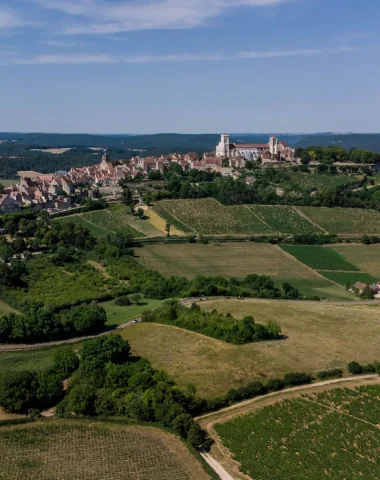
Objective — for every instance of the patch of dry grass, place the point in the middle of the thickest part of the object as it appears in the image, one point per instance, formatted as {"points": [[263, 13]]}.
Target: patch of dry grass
{"points": [[365, 257], [320, 336]]}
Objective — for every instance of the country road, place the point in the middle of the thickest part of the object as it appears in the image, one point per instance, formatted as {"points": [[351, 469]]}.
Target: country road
{"points": [[25, 346]]}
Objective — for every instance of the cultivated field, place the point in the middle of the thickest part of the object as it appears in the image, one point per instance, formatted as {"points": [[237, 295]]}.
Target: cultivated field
{"points": [[8, 182], [113, 220], [159, 224], [344, 278], [68, 449], [34, 360], [54, 151], [365, 257], [345, 220], [332, 435], [282, 219], [209, 217], [320, 336], [320, 181], [227, 259], [320, 258]]}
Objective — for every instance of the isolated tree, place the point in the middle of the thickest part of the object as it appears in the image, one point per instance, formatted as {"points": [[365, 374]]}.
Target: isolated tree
{"points": [[127, 196], [167, 229], [140, 213]]}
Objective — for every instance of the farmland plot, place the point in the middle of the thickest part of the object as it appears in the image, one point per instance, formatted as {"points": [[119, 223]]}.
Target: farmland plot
{"points": [[310, 437], [366, 257], [320, 258], [282, 219], [67, 450], [345, 220]]}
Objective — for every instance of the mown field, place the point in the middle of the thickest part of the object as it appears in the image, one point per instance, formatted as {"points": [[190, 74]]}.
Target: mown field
{"points": [[68, 449], [332, 435], [235, 260], [114, 220], [365, 257], [319, 336], [320, 258], [344, 220], [33, 360], [344, 278]]}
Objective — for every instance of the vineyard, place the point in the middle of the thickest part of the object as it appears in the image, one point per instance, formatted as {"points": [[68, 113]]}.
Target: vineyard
{"points": [[66, 450], [344, 220], [209, 217], [331, 435], [310, 182]]}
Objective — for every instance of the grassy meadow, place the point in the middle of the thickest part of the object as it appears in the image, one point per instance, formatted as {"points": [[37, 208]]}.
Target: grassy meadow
{"points": [[332, 435], [34, 360], [319, 336], [320, 258], [344, 278], [117, 314], [74, 449]]}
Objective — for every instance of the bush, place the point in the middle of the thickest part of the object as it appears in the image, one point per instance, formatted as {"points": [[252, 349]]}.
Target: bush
{"points": [[123, 301], [355, 368], [293, 379], [275, 384], [18, 391], [334, 373], [66, 361]]}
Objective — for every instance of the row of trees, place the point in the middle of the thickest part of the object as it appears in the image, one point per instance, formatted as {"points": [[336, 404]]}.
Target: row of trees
{"points": [[332, 154], [213, 324], [41, 324]]}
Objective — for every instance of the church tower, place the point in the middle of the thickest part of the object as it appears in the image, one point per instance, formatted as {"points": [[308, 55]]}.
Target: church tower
{"points": [[223, 148], [273, 146]]}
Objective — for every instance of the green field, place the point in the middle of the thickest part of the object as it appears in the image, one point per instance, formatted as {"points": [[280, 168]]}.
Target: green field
{"points": [[283, 219], [117, 315], [320, 258], [113, 220], [34, 360], [74, 449], [333, 435], [319, 336], [366, 257], [345, 220], [8, 182], [344, 278]]}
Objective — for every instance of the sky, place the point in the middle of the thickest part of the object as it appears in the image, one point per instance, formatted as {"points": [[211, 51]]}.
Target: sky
{"points": [[189, 66]]}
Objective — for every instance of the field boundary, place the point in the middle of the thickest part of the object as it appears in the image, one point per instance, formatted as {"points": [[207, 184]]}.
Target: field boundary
{"points": [[302, 214], [208, 421]]}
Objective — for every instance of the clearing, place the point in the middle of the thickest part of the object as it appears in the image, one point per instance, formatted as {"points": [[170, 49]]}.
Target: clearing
{"points": [[237, 259], [73, 449], [117, 314], [320, 336], [331, 434], [54, 151]]}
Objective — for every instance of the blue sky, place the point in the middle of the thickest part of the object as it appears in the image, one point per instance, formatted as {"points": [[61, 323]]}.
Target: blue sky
{"points": [[189, 66]]}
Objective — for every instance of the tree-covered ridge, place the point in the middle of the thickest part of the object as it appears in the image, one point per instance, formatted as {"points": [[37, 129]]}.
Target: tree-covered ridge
{"points": [[213, 324]]}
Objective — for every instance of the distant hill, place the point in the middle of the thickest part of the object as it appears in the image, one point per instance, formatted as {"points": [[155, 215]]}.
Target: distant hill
{"points": [[171, 142]]}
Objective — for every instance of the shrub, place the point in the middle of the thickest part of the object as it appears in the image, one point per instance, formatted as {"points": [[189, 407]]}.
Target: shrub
{"points": [[18, 391], [296, 378], [355, 368], [123, 301], [275, 384], [66, 361], [334, 373]]}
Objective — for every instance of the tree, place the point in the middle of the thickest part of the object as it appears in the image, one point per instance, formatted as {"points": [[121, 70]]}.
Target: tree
{"points": [[355, 368], [167, 229], [19, 245], [140, 213], [17, 390], [127, 196], [136, 298], [66, 361]]}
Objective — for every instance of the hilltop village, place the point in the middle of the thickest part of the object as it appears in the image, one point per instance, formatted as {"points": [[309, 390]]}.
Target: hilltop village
{"points": [[55, 192]]}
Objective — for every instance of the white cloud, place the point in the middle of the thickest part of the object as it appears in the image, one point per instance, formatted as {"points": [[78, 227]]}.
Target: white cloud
{"points": [[62, 59], [8, 19], [101, 17], [55, 43]]}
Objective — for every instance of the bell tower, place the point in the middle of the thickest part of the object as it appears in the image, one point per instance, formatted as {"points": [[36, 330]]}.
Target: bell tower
{"points": [[273, 146]]}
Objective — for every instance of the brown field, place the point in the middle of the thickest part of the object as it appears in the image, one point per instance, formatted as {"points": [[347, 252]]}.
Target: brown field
{"points": [[320, 336], [67, 450], [28, 173], [54, 151], [159, 223], [365, 257]]}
